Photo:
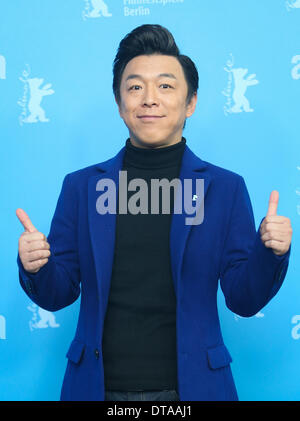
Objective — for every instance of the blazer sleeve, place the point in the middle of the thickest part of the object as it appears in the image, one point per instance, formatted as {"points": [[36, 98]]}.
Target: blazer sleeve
{"points": [[57, 284], [251, 274]]}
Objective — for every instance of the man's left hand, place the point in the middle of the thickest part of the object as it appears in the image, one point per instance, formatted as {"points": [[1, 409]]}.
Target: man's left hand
{"points": [[275, 230]]}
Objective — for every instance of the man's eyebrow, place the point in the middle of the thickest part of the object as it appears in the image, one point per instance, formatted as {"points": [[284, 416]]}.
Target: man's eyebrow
{"points": [[135, 76]]}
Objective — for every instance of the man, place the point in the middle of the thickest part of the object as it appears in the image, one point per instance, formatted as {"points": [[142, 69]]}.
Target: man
{"points": [[148, 326]]}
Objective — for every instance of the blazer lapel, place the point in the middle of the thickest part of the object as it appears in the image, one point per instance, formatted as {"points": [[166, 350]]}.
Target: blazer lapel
{"points": [[192, 168], [103, 227]]}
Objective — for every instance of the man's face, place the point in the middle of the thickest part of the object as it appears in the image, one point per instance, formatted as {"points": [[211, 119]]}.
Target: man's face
{"points": [[153, 105]]}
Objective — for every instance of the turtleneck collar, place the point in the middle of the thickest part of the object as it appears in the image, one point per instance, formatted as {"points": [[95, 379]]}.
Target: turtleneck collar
{"points": [[167, 156]]}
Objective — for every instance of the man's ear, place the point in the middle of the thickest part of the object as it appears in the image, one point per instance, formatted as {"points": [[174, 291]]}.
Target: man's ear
{"points": [[191, 106]]}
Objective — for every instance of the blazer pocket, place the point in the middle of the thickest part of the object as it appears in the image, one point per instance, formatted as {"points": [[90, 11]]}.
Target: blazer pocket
{"points": [[75, 351], [218, 357]]}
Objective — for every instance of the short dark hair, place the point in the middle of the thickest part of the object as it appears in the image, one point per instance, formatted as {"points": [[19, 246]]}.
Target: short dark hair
{"points": [[147, 40]]}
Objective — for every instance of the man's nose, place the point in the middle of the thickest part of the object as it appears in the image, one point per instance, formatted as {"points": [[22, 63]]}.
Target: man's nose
{"points": [[150, 96]]}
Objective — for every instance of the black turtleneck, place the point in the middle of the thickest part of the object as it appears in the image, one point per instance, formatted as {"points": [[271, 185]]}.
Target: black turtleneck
{"points": [[139, 337]]}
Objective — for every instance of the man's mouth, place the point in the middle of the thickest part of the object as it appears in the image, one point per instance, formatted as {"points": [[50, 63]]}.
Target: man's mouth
{"points": [[150, 117]]}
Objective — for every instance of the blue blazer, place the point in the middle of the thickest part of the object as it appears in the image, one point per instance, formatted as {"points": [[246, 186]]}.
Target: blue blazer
{"points": [[225, 247]]}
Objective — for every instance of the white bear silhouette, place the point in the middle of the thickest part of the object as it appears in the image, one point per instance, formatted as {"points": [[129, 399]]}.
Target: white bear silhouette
{"points": [[99, 6], [241, 86], [46, 319], [36, 95]]}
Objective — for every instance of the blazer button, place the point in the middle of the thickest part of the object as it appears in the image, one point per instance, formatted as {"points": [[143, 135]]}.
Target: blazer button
{"points": [[96, 353]]}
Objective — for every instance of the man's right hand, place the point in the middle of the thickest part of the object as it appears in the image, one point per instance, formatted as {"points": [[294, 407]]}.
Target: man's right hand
{"points": [[34, 248]]}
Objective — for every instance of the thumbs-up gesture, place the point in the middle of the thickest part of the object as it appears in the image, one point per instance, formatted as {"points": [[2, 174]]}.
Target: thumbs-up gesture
{"points": [[275, 230], [34, 249]]}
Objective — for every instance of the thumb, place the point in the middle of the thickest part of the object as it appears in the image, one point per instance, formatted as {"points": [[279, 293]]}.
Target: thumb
{"points": [[25, 220], [273, 203]]}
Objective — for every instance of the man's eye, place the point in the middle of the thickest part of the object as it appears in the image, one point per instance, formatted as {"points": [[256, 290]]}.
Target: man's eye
{"points": [[133, 87], [137, 87]]}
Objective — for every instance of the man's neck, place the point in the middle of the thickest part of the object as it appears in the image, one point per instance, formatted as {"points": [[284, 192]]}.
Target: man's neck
{"points": [[140, 144]]}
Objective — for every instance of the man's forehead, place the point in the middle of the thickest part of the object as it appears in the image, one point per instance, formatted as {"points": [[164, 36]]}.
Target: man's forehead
{"points": [[157, 65]]}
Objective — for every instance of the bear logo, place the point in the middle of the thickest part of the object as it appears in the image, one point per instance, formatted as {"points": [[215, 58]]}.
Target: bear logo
{"points": [[41, 318], [241, 85], [99, 8], [36, 95]]}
